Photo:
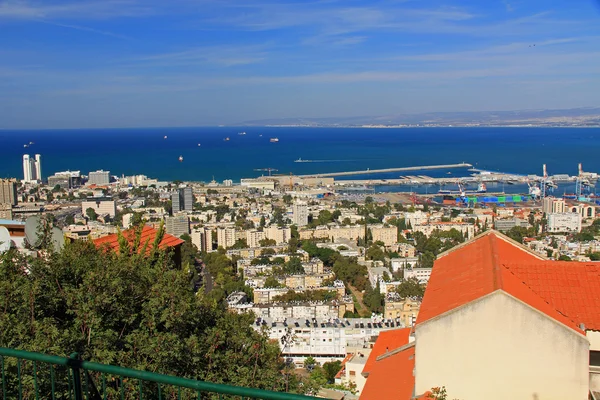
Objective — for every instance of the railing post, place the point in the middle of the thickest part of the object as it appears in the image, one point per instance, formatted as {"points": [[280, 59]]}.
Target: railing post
{"points": [[74, 365]]}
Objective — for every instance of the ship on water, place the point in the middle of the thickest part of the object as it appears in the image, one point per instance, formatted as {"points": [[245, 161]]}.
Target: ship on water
{"points": [[301, 160], [241, 133], [226, 139], [274, 140]]}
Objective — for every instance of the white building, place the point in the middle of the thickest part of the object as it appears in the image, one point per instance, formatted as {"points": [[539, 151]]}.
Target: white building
{"points": [[422, 274], [564, 222], [101, 205], [468, 230], [99, 178], [553, 205], [324, 339], [203, 239], [416, 218], [406, 262], [32, 168], [300, 213]]}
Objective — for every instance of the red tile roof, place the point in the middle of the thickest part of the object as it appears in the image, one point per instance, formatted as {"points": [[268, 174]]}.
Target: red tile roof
{"points": [[386, 341], [572, 288], [391, 377], [148, 236], [568, 292]]}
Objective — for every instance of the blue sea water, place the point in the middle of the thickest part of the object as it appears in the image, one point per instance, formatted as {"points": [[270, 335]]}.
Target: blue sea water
{"points": [[145, 151]]}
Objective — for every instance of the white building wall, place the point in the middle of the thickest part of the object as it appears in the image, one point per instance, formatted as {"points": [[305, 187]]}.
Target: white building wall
{"points": [[564, 222], [499, 348], [101, 207]]}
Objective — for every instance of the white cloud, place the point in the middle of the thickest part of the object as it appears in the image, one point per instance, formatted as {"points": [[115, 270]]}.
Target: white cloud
{"points": [[94, 9]]}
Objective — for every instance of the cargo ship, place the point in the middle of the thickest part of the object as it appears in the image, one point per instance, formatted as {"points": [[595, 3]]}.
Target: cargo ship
{"points": [[274, 140]]}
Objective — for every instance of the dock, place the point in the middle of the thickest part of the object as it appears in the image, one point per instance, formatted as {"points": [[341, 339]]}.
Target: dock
{"points": [[386, 170]]}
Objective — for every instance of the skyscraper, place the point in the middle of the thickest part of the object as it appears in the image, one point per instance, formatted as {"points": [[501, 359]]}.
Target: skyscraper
{"points": [[27, 171], [32, 168], [8, 192], [182, 200], [38, 167]]}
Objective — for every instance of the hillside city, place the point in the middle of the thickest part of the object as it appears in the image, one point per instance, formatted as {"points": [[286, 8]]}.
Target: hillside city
{"points": [[353, 287]]}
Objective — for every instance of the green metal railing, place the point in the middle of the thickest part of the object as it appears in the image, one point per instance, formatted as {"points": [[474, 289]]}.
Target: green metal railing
{"points": [[28, 375]]}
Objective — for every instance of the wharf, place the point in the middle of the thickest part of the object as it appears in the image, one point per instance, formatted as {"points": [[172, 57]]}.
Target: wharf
{"points": [[386, 170]]}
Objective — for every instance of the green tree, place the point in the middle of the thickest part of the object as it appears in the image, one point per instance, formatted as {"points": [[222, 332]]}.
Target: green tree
{"points": [[410, 288], [331, 369], [293, 266], [267, 242], [272, 282], [309, 363], [131, 309], [240, 244], [91, 214], [375, 253]]}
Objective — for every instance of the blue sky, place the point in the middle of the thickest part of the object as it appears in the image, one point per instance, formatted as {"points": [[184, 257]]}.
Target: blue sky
{"points": [[130, 63]]}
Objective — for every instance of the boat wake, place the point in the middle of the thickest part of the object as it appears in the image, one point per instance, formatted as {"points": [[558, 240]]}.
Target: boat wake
{"points": [[319, 161]]}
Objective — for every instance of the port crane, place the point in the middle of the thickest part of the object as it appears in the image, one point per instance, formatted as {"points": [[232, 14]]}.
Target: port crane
{"points": [[266, 169]]}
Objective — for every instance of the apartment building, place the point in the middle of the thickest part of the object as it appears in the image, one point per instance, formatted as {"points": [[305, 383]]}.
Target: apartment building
{"points": [[386, 234]]}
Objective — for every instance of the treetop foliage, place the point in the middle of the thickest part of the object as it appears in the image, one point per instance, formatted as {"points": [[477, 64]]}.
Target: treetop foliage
{"points": [[132, 310]]}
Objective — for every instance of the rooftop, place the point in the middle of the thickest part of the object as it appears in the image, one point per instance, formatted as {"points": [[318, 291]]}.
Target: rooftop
{"points": [[568, 292], [148, 235]]}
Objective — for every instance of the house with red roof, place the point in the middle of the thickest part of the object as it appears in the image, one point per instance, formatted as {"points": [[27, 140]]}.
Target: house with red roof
{"points": [[498, 322], [148, 235]]}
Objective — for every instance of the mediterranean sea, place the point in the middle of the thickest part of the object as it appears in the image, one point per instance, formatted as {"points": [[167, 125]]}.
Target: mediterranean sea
{"points": [[207, 154]]}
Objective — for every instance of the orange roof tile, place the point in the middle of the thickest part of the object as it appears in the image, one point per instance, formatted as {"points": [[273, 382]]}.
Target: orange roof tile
{"points": [[386, 341], [391, 377], [493, 262], [572, 288], [148, 236]]}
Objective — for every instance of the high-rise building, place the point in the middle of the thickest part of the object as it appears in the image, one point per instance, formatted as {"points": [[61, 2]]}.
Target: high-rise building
{"points": [[300, 213], [38, 167], [182, 200], [553, 205], [203, 239], [32, 168], [178, 225], [8, 192], [99, 178], [27, 172], [226, 237]]}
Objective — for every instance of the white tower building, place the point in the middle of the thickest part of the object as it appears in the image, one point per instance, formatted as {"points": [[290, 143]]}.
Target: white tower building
{"points": [[27, 171], [38, 167], [300, 213]]}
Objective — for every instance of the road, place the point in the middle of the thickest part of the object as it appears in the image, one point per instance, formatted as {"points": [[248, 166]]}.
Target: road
{"points": [[359, 299]]}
